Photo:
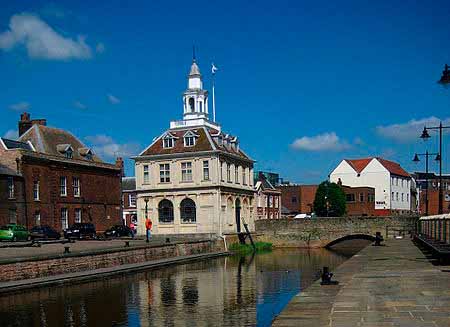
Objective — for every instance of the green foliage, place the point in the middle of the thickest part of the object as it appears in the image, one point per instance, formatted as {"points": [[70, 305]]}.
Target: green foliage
{"points": [[330, 200], [247, 248]]}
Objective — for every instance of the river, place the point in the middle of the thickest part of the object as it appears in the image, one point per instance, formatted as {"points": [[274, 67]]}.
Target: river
{"points": [[226, 291]]}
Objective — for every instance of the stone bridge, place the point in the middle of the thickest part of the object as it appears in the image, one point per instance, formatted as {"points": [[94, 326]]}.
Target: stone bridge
{"points": [[325, 232]]}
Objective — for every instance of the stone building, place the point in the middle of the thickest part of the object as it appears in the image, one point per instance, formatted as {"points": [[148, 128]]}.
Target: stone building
{"points": [[129, 198], [64, 181], [194, 177], [267, 199]]}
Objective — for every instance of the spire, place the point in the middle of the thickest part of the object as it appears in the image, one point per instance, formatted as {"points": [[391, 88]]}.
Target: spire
{"points": [[195, 71]]}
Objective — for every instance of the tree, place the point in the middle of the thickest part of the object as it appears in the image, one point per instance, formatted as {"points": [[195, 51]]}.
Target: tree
{"points": [[329, 200]]}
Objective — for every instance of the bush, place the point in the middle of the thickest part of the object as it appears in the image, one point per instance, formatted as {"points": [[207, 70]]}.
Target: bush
{"points": [[329, 200]]}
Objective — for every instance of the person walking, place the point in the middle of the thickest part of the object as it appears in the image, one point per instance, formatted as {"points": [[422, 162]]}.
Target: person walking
{"points": [[148, 227]]}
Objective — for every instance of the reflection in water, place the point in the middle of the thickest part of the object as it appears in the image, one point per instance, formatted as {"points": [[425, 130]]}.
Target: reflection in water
{"points": [[228, 291]]}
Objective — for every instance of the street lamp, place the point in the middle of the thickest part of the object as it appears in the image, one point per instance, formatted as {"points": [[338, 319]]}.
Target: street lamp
{"points": [[416, 160], [146, 217], [425, 136]]}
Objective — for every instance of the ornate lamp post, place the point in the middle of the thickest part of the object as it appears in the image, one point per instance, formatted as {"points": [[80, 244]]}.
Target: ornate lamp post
{"points": [[425, 136], [416, 160]]}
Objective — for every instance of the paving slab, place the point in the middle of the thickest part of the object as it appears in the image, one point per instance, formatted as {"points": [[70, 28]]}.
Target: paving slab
{"points": [[391, 285]]}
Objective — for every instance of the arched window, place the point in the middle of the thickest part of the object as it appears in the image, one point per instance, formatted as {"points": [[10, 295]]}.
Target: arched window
{"points": [[192, 104], [165, 211], [200, 105], [188, 211]]}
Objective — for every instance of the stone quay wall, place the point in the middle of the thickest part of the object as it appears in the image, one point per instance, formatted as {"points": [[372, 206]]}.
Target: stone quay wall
{"points": [[319, 232], [76, 262]]}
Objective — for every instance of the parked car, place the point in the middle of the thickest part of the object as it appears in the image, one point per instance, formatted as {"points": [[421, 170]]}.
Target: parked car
{"points": [[44, 232], [14, 232], [118, 231], [302, 216], [80, 231]]}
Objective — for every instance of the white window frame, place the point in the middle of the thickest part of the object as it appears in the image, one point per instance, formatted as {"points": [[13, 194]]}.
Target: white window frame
{"points": [[244, 175], [77, 215], [189, 141], [168, 142], [228, 173], [64, 218], [164, 173], [76, 187], [146, 174], [130, 202], [206, 176], [236, 174], [11, 192], [186, 171], [63, 186], [36, 190]]}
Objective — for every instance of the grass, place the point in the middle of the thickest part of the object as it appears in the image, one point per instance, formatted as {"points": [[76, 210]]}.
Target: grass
{"points": [[247, 248]]}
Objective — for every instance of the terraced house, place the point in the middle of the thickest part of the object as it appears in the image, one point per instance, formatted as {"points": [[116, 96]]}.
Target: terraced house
{"points": [[194, 177], [57, 180]]}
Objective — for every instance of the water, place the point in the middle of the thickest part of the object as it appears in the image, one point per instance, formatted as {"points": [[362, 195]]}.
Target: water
{"points": [[227, 291]]}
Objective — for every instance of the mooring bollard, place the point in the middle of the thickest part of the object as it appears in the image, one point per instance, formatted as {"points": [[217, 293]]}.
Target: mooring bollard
{"points": [[167, 240], [326, 277], [67, 249], [378, 239], [127, 244]]}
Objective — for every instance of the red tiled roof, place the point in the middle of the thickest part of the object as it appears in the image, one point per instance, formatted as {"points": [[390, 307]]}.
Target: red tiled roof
{"points": [[393, 167]]}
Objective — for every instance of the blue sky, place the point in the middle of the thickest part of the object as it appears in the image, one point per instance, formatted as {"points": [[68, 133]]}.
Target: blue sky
{"points": [[303, 84]]}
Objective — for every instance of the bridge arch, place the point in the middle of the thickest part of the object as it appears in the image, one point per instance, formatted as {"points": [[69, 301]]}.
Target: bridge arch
{"points": [[351, 237]]}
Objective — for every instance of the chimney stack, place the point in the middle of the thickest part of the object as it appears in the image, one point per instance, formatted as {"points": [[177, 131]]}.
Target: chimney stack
{"points": [[25, 123]]}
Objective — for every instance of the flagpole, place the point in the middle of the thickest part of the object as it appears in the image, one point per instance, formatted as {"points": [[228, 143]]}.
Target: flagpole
{"points": [[213, 96]]}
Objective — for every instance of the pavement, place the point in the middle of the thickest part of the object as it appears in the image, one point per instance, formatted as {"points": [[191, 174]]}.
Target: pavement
{"points": [[23, 251], [391, 285]]}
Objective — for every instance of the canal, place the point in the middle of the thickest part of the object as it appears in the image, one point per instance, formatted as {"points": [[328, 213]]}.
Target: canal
{"points": [[226, 291]]}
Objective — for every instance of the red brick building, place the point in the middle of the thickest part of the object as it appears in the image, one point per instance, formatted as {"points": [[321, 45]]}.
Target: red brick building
{"points": [[63, 180], [433, 192], [11, 195], [298, 198], [129, 197]]}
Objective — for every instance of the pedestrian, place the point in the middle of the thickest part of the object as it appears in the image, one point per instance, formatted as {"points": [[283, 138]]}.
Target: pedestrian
{"points": [[148, 227], [132, 229]]}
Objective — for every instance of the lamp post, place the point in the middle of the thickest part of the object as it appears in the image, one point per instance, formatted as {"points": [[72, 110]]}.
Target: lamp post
{"points": [[416, 160], [425, 136]]}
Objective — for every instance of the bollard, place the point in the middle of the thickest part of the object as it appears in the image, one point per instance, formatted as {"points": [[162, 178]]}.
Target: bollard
{"points": [[67, 249], [167, 240], [326, 277], [378, 239], [127, 244]]}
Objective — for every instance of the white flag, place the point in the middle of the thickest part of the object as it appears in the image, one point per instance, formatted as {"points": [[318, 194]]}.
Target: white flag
{"points": [[213, 68]]}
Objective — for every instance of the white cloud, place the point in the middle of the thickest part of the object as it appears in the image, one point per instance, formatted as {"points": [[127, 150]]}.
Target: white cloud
{"points": [[112, 99], [20, 106], [321, 142], [107, 148], [100, 48], [11, 134], [409, 131], [42, 41], [79, 105]]}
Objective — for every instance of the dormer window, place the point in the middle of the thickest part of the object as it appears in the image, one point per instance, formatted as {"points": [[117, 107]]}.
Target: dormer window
{"points": [[168, 141], [190, 139], [66, 150], [89, 156], [86, 153], [69, 154]]}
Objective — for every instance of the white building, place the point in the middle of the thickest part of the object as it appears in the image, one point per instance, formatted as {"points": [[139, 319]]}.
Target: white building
{"points": [[194, 178], [391, 182]]}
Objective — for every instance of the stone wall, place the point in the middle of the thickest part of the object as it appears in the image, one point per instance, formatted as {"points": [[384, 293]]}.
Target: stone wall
{"points": [[76, 262], [319, 232]]}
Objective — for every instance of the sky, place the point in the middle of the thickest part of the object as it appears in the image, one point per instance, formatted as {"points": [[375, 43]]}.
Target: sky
{"points": [[303, 84]]}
